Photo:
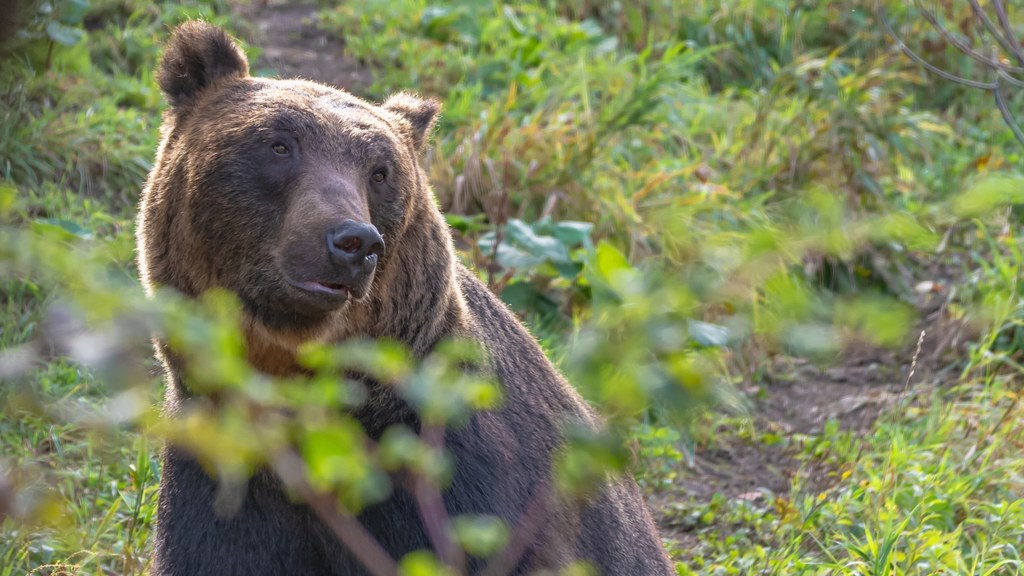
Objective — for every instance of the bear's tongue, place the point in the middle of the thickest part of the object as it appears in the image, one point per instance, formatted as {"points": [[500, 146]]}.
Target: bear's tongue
{"points": [[334, 286]]}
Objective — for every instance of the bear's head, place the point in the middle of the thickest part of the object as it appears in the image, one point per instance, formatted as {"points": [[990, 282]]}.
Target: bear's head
{"points": [[290, 194]]}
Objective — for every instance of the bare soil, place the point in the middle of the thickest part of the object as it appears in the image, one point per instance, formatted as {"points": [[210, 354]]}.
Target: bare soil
{"points": [[293, 46], [798, 398]]}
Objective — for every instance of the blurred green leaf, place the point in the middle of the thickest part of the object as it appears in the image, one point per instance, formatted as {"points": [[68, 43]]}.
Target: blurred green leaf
{"points": [[8, 194], [480, 535], [338, 461], [573, 233], [707, 334], [879, 320], [610, 263], [989, 194], [65, 229], [63, 34], [73, 12], [465, 224], [423, 563]]}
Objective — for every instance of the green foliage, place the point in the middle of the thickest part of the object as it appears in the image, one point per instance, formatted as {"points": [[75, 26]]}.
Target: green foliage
{"points": [[538, 267], [659, 453], [48, 30]]}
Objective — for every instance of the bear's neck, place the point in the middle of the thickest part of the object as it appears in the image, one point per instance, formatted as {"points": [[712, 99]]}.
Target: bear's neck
{"points": [[415, 300]]}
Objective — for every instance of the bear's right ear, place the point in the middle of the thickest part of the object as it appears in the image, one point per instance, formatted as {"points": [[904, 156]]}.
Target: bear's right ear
{"points": [[198, 55], [420, 113]]}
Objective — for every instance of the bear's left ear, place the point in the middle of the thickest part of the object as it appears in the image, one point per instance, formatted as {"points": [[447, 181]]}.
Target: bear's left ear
{"points": [[197, 56], [421, 114]]}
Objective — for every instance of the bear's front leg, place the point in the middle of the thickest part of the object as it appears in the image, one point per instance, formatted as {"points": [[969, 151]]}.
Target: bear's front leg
{"points": [[267, 534]]}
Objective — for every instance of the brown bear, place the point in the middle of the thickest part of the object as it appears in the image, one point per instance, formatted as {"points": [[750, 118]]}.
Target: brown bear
{"points": [[311, 206]]}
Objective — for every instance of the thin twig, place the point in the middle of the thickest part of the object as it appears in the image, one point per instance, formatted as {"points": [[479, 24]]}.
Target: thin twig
{"points": [[913, 362], [523, 534], [1008, 118], [927, 65], [989, 25], [1011, 38], [549, 206], [431, 507], [1009, 79], [961, 46], [1005, 37], [889, 472]]}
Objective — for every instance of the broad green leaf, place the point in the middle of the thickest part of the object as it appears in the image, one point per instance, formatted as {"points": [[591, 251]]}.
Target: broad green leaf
{"points": [[73, 11], [880, 320], [521, 296], [66, 229], [707, 334], [510, 257], [610, 263], [545, 247], [573, 233], [64, 35]]}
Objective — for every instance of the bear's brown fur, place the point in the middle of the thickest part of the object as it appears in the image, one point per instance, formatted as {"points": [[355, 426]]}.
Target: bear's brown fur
{"points": [[251, 174]]}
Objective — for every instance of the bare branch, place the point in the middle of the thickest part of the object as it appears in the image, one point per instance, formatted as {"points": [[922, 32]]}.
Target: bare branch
{"points": [[431, 507], [1011, 38], [990, 26], [961, 46], [1009, 79], [1000, 69], [1008, 118], [927, 65], [523, 533]]}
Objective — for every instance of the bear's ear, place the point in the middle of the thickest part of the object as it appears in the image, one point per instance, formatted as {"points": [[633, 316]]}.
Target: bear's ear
{"points": [[421, 114], [198, 55]]}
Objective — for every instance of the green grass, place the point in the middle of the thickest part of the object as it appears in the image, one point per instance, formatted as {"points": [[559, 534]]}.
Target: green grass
{"points": [[710, 186], [92, 493], [932, 490]]}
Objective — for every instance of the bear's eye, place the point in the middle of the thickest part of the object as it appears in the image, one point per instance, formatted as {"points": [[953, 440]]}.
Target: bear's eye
{"points": [[379, 176], [280, 149]]}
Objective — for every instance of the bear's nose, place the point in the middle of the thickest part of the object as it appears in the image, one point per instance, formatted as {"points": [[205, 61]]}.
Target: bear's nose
{"points": [[355, 245]]}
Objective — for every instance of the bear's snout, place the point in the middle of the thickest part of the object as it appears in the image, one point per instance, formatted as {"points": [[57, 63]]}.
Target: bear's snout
{"points": [[354, 249], [337, 267]]}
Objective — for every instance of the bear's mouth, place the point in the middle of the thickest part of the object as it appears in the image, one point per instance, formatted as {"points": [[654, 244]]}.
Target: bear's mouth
{"points": [[326, 288], [332, 287]]}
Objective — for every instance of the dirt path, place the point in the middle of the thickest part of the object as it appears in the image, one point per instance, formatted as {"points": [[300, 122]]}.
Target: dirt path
{"points": [[797, 399], [293, 46]]}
